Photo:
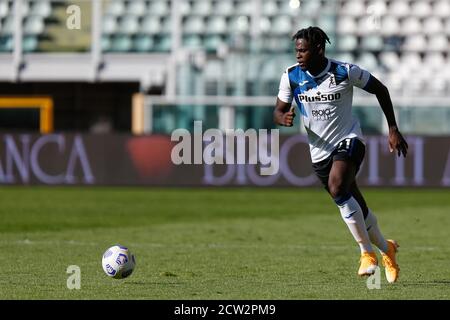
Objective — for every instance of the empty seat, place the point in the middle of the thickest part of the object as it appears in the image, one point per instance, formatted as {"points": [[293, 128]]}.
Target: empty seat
{"points": [[438, 42], [411, 25], [441, 8], [434, 60], [128, 24], [415, 86], [185, 8], [121, 43], [343, 57], [390, 25], [33, 25], [6, 43], [438, 86], [271, 70], [213, 42], [421, 8], [377, 7], [264, 24], [30, 43], [346, 24], [159, 8], [354, 8], [409, 60], [143, 43], [25, 9], [201, 7], [115, 8], [240, 24], [394, 82], [136, 7], [327, 23], [42, 8], [347, 43], [4, 9], [311, 7], [372, 42], [369, 25], [304, 22], [194, 24], [8, 25], [150, 25], [106, 43], [281, 25], [269, 8], [216, 25], [192, 41], [415, 42], [109, 24], [166, 25], [223, 8], [290, 8], [432, 25], [244, 7], [367, 61], [389, 59], [399, 8], [163, 44]]}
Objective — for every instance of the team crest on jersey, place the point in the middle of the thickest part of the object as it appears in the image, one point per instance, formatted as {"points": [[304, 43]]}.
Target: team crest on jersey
{"points": [[332, 81]]}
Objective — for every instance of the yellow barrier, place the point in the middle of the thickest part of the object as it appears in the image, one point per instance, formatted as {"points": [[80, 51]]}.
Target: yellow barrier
{"points": [[44, 104]]}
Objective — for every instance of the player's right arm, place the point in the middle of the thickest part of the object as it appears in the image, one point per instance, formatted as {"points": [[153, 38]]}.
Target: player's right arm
{"points": [[284, 114]]}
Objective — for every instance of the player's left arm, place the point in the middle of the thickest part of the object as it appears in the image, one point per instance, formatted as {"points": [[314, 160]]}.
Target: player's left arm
{"points": [[363, 79], [396, 140]]}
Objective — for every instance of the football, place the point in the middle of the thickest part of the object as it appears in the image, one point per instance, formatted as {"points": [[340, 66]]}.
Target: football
{"points": [[118, 262]]}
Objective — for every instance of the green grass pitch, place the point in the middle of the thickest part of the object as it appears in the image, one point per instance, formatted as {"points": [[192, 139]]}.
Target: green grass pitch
{"points": [[216, 243]]}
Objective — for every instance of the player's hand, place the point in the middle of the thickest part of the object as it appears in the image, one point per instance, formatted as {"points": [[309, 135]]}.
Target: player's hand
{"points": [[288, 117], [397, 142]]}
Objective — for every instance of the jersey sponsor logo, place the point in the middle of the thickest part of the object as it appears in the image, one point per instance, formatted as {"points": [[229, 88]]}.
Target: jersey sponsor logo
{"points": [[319, 98], [322, 114]]}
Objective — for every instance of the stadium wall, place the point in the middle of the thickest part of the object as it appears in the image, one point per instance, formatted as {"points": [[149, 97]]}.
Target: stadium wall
{"points": [[123, 159]]}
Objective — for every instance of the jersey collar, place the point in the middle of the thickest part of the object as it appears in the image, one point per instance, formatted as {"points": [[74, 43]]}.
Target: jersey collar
{"points": [[323, 72]]}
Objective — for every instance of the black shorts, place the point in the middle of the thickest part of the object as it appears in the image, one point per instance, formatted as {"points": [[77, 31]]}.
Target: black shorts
{"points": [[348, 149]]}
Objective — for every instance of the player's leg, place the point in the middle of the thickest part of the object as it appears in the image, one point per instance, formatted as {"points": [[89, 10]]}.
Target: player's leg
{"points": [[347, 159], [388, 248], [370, 219], [342, 177]]}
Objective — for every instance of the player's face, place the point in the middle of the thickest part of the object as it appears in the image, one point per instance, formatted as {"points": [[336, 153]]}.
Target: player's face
{"points": [[304, 54]]}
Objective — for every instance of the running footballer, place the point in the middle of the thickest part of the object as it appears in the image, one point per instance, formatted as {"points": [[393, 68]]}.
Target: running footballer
{"points": [[323, 91]]}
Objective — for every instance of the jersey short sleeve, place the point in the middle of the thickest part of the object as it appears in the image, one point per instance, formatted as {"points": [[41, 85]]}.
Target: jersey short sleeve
{"points": [[358, 77], [285, 92]]}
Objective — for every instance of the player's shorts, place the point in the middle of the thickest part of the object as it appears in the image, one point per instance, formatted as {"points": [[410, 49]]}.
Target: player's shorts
{"points": [[351, 149]]}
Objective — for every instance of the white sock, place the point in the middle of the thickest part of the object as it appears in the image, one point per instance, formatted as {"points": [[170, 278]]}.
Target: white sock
{"points": [[374, 232], [353, 216]]}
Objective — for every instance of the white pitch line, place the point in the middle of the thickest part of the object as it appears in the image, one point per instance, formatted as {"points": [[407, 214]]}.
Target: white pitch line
{"points": [[27, 242]]}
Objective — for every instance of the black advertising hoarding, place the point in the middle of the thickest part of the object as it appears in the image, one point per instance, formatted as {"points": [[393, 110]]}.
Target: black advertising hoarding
{"points": [[116, 159]]}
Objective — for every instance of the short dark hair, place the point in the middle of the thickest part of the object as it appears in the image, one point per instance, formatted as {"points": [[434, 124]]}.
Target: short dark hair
{"points": [[314, 35]]}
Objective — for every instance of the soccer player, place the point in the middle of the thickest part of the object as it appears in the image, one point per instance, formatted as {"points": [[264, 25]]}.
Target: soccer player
{"points": [[323, 91]]}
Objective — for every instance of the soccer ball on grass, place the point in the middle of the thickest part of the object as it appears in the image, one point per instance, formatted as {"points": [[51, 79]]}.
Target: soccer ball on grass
{"points": [[118, 262]]}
